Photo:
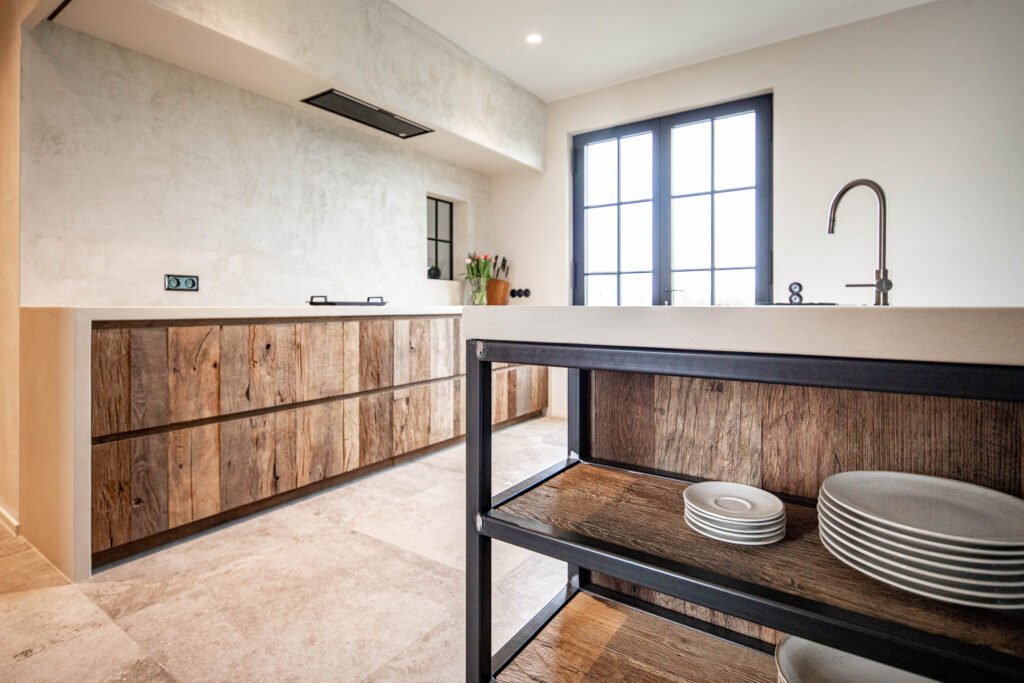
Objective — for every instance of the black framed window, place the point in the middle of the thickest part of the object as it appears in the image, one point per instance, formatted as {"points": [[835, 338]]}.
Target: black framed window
{"points": [[676, 210], [439, 239]]}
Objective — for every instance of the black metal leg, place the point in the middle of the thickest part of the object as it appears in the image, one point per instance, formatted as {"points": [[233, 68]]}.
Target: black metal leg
{"points": [[579, 413], [478, 501]]}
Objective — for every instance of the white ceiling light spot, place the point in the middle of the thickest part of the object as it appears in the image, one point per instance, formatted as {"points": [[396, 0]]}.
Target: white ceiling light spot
{"points": [[534, 38]]}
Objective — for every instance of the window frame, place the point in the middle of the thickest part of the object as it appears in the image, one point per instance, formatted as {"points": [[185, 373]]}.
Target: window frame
{"points": [[661, 129], [437, 240]]}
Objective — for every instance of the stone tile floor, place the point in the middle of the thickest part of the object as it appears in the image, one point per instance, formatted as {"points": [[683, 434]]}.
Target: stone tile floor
{"points": [[363, 582]]}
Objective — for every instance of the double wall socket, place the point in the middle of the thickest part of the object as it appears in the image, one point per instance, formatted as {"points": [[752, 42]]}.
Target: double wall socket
{"points": [[181, 283]]}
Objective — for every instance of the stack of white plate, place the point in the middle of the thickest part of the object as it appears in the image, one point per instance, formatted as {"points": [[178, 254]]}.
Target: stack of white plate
{"points": [[802, 661], [941, 538], [734, 513]]}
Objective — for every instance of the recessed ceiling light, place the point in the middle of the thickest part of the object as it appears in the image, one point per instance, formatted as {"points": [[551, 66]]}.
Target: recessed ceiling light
{"points": [[534, 38]]}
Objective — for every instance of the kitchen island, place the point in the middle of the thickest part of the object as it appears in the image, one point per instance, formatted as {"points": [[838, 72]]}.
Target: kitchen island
{"points": [[778, 398], [141, 426]]}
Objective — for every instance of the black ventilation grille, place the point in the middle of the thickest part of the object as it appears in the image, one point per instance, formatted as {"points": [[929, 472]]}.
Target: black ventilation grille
{"points": [[351, 108]]}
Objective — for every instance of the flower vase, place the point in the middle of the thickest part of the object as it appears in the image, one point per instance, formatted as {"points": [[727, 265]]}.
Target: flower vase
{"points": [[478, 289]]}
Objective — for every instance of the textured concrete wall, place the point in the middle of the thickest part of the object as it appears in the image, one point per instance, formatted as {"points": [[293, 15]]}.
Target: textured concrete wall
{"points": [[382, 53], [133, 168], [12, 12]]}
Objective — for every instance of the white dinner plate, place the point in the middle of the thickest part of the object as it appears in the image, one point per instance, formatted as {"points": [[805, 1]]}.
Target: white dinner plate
{"points": [[972, 551], [925, 559], [943, 509], [728, 501], [972, 591], [803, 661], [935, 594], [730, 525], [720, 536], [1011, 583]]}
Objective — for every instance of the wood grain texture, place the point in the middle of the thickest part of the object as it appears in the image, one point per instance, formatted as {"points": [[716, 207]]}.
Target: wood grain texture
{"points": [[402, 351], [788, 439], [460, 407], [150, 393], [442, 347], [376, 354], [538, 388], [111, 495], [411, 419], [524, 388], [592, 639], [148, 484], [111, 381], [320, 354], [646, 513], [442, 411], [193, 478], [193, 358], [499, 396], [321, 442], [259, 367], [376, 437], [351, 360], [459, 351], [420, 350], [690, 609], [352, 435]]}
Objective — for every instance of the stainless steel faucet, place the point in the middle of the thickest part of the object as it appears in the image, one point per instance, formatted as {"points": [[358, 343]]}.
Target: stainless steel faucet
{"points": [[882, 283]]}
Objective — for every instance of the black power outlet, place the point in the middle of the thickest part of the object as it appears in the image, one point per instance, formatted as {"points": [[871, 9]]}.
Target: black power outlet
{"points": [[181, 283]]}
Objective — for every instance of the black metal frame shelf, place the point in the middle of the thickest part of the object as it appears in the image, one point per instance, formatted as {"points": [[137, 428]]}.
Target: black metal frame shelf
{"points": [[896, 644]]}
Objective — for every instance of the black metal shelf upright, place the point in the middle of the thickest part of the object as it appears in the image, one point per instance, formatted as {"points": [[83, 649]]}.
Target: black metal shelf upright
{"points": [[940, 657]]}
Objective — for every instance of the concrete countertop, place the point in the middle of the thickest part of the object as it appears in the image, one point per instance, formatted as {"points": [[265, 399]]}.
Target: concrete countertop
{"points": [[952, 335], [114, 313]]}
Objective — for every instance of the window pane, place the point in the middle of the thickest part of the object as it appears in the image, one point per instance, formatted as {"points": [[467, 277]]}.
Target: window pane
{"points": [[734, 151], [636, 289], [691, 232], [444, 220], [602, 290], [734, 287], [691, 289], [637, 231], [430, 252], [691, 158], [602, 172], [734, 229], [637, 167], [444, 261], [602, 241], [431, 218]]}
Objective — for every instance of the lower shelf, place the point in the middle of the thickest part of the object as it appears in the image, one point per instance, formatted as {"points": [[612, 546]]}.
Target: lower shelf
{"points": [[592, 638]]}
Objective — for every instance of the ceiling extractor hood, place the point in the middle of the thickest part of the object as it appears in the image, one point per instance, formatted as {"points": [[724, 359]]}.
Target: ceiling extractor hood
{"points": [[352, 108]]}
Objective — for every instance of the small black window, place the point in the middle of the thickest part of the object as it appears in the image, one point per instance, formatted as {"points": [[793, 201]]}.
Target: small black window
{"points": [[439, 239]]}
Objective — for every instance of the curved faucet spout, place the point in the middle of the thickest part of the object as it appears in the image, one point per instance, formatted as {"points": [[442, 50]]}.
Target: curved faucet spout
{"points": [[882, 282]]}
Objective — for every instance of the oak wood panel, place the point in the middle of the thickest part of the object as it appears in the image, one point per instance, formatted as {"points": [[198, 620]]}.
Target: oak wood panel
{"points": [[788, 439], [624, 417], [690, 609], [411, 419], [111, 377], [524, 389], [321, 442], [499, 396], [402, 349], [111, 494], [460, 407], [320, 354], [538, 387], [646, 513], [594, 639], [376, 354], [150, 392], [193, 358], [352, 435], [420, 350], [193, 480], [442, 411], [259, 367], [442, 347], [459, 351], [351, 360], [375, 430], [148, 484]]}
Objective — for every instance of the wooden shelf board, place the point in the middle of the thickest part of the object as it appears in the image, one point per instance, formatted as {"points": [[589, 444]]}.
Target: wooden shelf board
{"points": [[596, 639], [645, 513]]}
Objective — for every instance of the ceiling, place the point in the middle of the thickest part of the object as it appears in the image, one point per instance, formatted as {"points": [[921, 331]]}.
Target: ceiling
{"points": [[589, 44]]}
